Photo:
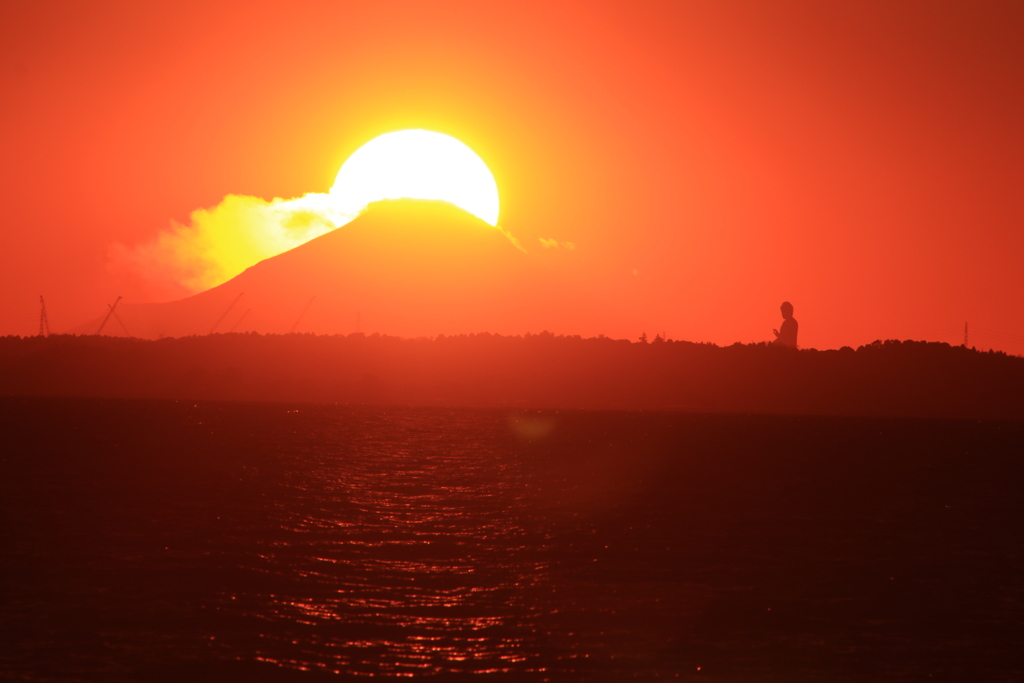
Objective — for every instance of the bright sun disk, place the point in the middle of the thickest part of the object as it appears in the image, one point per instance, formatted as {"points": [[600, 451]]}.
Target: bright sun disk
{"points": [[416, 164]]}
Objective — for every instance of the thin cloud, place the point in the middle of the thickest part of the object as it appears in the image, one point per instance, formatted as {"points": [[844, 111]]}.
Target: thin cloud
{"points": [[549, 243], [220, 242]]}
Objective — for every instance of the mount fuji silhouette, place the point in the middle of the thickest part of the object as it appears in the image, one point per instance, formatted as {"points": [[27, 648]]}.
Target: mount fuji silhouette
{"points": [[403, 267]]}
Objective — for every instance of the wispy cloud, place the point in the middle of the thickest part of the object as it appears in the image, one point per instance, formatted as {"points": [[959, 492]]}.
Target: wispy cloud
{"points": [[548, 243], [220, 242]]}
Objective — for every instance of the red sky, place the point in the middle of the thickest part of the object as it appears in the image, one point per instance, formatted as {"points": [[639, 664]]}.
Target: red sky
{"points": [[859, 159]]}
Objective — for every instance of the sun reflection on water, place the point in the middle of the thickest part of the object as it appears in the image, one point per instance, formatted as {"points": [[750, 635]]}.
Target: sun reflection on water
{"points": [[401, 557]]}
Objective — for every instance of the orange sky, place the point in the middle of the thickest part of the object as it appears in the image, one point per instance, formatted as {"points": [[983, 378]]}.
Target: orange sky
{"points": [[862, 160]]}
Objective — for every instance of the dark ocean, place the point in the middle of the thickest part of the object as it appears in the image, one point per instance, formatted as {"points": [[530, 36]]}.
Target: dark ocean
{"points": [[175, 541]]}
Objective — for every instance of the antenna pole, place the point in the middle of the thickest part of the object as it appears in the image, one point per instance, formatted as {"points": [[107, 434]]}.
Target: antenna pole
{"points": [[225, 314], [119, 321], [44, 321], [239, 321], [109, 313], [302, 314], [965, 335]]}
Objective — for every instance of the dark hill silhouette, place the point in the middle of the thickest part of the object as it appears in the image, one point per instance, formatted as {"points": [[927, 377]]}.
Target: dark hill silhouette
{"points": [[407, 267], [893, 378]]}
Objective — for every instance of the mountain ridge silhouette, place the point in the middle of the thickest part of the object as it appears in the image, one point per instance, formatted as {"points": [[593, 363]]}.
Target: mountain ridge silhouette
{"points": [[402, 267]]}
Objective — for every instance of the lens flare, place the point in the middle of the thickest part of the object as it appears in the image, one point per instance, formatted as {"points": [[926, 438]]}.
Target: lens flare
{"points": [[416, 164]]}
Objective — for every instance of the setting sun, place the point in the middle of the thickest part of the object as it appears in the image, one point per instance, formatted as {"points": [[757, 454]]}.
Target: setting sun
{"points": [[416, 164], [726, 382]]}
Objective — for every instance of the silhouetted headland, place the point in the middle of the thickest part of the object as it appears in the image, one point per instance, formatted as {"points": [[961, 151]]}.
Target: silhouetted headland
{"points": [[891, 378]]}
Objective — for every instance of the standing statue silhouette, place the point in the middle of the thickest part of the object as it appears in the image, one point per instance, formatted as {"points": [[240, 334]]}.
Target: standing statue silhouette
{"points": [[787, 337]]}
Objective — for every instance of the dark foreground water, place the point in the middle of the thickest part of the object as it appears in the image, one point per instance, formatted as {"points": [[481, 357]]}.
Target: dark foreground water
{"points": [[161, 541]]}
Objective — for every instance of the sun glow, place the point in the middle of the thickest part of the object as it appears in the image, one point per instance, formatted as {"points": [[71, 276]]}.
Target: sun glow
{"points": [[416, 164], [219, 242]]}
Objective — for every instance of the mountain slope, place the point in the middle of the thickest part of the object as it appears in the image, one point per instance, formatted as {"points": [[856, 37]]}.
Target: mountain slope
{"points": [[403, 267]]}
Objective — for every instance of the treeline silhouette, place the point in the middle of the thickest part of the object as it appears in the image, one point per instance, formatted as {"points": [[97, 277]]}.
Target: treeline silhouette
{"points": [[890, 378]]}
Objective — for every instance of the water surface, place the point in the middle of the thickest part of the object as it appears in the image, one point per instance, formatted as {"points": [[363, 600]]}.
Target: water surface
{"points": [[173, 541]]}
